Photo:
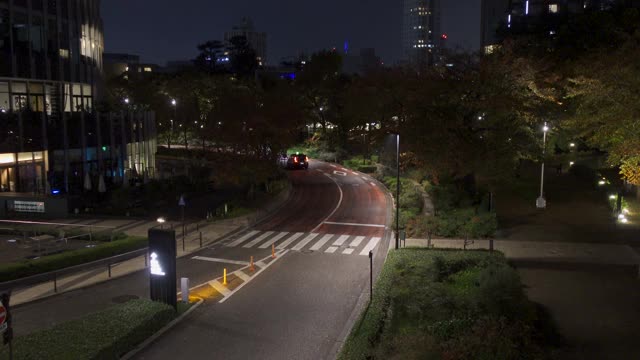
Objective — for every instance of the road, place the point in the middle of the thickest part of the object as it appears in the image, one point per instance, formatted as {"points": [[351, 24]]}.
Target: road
{"points": [[299, 305]]}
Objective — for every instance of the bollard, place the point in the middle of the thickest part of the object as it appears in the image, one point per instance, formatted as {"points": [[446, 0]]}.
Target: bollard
{"points": [[251, 267], [273, 251], [109, 268], [200, 238], [224, 277], [490, 244], [55, 282], [184, 287]]}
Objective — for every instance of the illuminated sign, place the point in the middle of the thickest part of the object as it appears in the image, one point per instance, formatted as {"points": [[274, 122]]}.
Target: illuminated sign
{"points": [[156, 268], [28, 206]]}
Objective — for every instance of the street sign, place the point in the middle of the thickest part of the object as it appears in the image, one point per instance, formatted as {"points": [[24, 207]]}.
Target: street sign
{"points": [[162, 266], [182, 202]]}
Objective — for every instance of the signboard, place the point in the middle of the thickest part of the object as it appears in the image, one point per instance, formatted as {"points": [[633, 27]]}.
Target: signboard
{"points": [[162, 266], [5, 318], [28, 206]]}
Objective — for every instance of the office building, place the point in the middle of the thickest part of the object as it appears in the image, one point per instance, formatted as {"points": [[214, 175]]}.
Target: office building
{"points": [[52, 139], [126, 65], [421, 31], [257, 40]]}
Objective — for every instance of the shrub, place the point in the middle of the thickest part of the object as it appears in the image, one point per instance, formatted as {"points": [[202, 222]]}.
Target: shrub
{"points": [[16, 270], [107, 334], [367, 169]]}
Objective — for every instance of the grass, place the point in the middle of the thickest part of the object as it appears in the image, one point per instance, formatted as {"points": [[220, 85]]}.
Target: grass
{"points": [[439, 304], [107, 334], [20, 269]]}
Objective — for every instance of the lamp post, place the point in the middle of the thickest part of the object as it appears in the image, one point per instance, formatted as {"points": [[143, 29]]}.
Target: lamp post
{"points": [[174, 103], [397, 190], [541, 203]]}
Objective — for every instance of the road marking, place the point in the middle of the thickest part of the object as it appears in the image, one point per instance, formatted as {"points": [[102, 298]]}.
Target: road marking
{"points": [[331, 250], [373, 184], [364, 178], [336, 208], [356, 242], [227, 261], [353, 224], [304, 242], [261, 264], [291, 239], [258, 239], [332, 165], [341, 240], [341, 173], [273, 240], [242, 275], [355, 173], [220, 288], [320, 243], [372, 243], [280, 255], [348, 251], [243, 239]]}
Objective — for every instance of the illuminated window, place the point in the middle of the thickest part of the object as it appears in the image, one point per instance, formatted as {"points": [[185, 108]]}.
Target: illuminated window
{"points": [[147, 69], [553, 8], [64, 53]]}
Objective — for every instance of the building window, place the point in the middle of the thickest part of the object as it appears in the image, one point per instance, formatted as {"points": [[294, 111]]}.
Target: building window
{"points": [[147, 69], [553, 8]]}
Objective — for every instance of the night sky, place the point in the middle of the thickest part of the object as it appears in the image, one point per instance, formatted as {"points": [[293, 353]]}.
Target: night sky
{"points": [[162, 30]]}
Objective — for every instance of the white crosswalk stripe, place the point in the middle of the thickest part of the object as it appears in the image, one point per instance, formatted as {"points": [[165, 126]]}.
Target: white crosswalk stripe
{"points": [[304, 242], [243, 238], [327, 243], [260, 238], [321, 242], [292, 238], [273, 240], [370, 245]]}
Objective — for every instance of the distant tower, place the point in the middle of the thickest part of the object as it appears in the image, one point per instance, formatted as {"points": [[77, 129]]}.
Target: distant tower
{"points": [[257, 40], [420, 31]]}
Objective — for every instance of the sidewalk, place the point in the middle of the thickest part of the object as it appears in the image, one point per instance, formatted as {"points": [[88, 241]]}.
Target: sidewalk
{"points": [[210, 233]]}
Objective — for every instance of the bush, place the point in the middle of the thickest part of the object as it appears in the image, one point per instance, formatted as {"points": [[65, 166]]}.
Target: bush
{"points": [[16, 270], [465, 223], [107, 334], [367, 169]]}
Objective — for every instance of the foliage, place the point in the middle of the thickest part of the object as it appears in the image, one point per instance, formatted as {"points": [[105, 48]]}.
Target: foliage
{"points": [[16, 270], [107, 334], [448, 304]]}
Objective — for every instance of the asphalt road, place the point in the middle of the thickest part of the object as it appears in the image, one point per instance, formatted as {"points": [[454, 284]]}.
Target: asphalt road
{"points": [[302, 305]]}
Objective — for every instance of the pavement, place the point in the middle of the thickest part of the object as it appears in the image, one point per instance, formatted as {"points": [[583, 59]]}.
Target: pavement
{"points": [[299, 304]]}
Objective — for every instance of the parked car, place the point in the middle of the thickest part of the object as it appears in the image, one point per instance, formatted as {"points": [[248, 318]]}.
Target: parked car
{"points": [[298, 161]]}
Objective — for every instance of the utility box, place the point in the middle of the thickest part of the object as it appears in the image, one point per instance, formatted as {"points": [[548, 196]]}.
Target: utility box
{"points": [[162, 266]]}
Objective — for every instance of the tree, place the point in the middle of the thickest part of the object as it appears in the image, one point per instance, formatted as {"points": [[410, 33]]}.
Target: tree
{"points": [[244, 62], [209, 58]]}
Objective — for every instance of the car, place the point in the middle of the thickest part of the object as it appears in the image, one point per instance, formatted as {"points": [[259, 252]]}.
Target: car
{"points": [[298, 161]]}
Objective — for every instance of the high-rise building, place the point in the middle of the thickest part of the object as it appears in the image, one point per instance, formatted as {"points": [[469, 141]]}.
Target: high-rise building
{"points": [[52, 138], [257, 40], [421, 31]]}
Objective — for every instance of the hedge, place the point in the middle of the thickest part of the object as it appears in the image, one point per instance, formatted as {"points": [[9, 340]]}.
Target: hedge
{"points": [[107, 334], [24, 268], [446, 304]]}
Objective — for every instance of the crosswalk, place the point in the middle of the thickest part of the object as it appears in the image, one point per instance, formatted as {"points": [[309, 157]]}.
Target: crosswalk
{"points": [[298, 241]]}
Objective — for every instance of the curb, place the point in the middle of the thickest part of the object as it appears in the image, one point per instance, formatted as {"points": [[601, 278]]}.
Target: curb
{"points": [[160, 332]]}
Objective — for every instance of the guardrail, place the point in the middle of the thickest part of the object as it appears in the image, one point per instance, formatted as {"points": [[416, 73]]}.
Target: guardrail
{"points": [[54, 275]]}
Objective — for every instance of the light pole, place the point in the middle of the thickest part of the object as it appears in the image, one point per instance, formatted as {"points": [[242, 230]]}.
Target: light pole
{"points": [[397, 190], [174, 103], [541, 203]]}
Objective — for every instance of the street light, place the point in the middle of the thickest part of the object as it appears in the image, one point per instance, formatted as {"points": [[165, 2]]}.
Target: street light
{"points": [[541, 203], [397, 190], [126, 101], [161, 221]]}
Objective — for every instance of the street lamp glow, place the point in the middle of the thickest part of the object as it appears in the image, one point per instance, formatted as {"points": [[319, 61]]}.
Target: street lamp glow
{"points": [[612, 197], [173, 102], [571, 163], [161, 220], [572, 145], [126, 100], [545, 128], [601, 182], [624, 220]]}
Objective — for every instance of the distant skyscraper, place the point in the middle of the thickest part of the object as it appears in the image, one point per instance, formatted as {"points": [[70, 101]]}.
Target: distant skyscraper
{"points": [[257, 40], [420, 31]]}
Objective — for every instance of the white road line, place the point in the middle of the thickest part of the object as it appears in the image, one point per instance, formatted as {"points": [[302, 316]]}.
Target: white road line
{"points": [[261, 264], [341, 173], [279, 256], [243, 239], [291, 239], [227, 261], [336, 208], [273, 240], [370, 245], [242, 275], [364, 178], [332, 165], [304, 242], [320, 243], [331, 250], [356, 242], [258, 239], [373, 184], [220, 288], [355, 173], [348, 251], [353, 224], [341, 240]]}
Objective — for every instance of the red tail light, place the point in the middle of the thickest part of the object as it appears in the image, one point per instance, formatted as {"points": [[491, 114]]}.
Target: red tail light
{"points": [[295, 159]]}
